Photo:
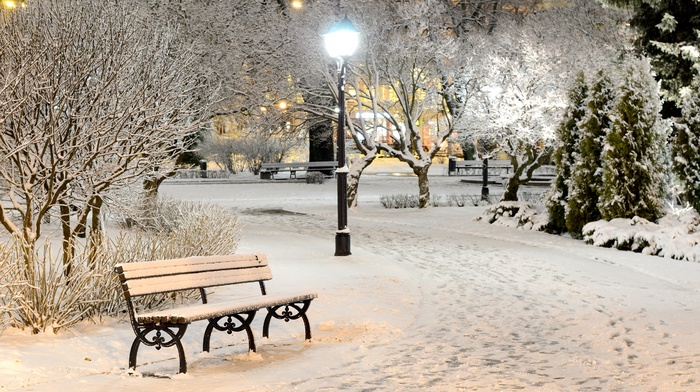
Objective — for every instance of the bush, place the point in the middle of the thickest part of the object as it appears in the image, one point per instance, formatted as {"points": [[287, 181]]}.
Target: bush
{"points": [[36, 294], [315, 177], [185, 229], [676, 235], [515, 214], [399, 201], [452, 200]]}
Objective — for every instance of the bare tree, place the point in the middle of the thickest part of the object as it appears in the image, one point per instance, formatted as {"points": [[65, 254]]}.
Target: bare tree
{"points": [[93, 98], [404, 95], [525, 71], [255, 56]]}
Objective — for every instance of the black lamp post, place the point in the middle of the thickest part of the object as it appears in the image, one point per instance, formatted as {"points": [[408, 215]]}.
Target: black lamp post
{"points": [[341, 40]]}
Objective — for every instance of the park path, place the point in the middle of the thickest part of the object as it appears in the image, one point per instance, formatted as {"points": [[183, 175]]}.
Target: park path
{"points": [[500, 313]]}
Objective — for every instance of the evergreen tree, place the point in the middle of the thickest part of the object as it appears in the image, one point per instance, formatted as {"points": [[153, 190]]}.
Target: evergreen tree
{"points": [[586, 175], [686, 146], [633, 157], [568, 135], [667, 32]]}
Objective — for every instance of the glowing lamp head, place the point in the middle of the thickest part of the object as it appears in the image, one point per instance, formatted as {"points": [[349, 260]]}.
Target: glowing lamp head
{"points": [[342, 39]]}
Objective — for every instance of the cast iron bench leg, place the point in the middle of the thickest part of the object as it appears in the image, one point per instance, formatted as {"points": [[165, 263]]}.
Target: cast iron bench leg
{"points": [[287, 315], [229, 326], [158, 341]]}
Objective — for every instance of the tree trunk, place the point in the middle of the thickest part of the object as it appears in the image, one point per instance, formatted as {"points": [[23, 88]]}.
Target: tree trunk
{"points": [[356, 168], [511, 193], [150, 186], [68, 245], [96, 234], [423, 186]]}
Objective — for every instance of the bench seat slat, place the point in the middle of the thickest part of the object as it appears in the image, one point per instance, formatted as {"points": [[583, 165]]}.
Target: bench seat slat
{"points": [[194, 313], [165, 283]]}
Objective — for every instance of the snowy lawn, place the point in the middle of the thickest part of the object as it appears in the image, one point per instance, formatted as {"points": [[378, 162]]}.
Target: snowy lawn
{"points": [[429, 300]]}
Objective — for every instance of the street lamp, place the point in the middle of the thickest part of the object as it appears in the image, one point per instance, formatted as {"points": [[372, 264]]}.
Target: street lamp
{"points": [[341, 40]]}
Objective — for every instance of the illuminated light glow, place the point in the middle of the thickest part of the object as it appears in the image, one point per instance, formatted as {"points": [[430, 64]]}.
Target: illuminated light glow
{"points": [[342, 39], [297, 4], [10, 4], [283, 105]]}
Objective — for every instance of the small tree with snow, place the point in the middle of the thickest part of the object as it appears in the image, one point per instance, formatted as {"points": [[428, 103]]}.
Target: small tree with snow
{"points": [[634, 175], [109, 101], [526, 74], [586, 181], [568, 135], [406, 84], [686, 145]]}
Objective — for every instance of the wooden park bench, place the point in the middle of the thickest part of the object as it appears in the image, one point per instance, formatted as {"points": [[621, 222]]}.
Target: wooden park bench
{"points": [[269, 170], [165, 328], [475, 168]]}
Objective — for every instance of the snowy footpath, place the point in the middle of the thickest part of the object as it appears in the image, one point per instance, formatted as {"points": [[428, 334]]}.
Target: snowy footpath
{"points": [[429, 300]]}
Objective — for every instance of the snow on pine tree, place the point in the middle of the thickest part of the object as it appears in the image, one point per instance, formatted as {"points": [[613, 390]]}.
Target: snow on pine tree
{"points": [[634, 175], [568, 136], [686, 145], [585, 182]]}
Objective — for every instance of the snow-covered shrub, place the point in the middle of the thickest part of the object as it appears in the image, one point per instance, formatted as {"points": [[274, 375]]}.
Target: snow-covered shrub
{"points": [[634, 165], [188, 229], [399, 201], [36, 292], [451, 200], [455, 200], [675, 236], [183, 228], [620, 233], [515, 214], [7, 299], [315, 177]]}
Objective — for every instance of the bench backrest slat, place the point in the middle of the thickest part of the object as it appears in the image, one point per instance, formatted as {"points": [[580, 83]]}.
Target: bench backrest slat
{"points": [[189, 264], [300, 165], [163, 284], [162, 276], [492, 163]]}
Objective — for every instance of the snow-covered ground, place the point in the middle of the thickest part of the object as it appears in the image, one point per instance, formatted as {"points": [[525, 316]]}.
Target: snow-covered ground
{"points": [[428, 300]]}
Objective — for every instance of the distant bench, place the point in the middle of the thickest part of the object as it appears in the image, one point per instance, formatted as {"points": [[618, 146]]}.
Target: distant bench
{"points": [[475, 168], [269, 170], [165, 328], [542, 176]]}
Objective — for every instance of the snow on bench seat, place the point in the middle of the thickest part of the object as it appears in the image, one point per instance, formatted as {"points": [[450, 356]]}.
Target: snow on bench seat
{"points": [[198, 312]]}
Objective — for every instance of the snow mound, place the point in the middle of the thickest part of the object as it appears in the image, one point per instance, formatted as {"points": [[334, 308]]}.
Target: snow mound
{"points": [[674, 236], [515, 214]]}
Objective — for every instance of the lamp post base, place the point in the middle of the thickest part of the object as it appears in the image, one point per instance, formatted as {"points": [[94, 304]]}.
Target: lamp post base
{"points": [[485, 193], [342, 244]]}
